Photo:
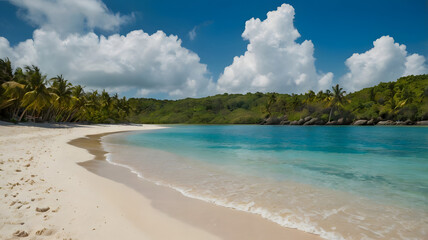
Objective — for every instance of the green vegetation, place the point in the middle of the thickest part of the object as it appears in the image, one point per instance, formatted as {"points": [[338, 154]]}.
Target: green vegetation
{"points": [[26, 94], [405, 99]]}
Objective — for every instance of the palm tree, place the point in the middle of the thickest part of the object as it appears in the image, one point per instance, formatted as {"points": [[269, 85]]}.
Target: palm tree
{"points": [[124, 108], [37, 96], [270, 102], [6, 72], [12, 96], [62, 90], [78, 102], [105, 100], [337, 99], [5, 76], [295, 102], [310, 96]]}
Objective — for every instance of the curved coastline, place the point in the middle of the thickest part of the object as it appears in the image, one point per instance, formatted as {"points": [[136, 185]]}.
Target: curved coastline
{"points": [[157, 173], [53, 197], [226, 223]]}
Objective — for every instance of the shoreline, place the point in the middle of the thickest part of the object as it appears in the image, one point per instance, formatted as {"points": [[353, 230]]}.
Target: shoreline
{"points": [[47, 194], [220, 221]]}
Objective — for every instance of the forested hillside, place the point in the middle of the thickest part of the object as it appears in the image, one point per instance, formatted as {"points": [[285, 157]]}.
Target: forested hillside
{"points": [[27, 95], [405, 99]]}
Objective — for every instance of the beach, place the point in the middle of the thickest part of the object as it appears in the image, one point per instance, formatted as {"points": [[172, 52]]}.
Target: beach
{"points": [[357, 183], [47, 192]]}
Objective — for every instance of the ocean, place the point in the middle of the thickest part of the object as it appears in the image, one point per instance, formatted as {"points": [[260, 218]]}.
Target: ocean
{"points": [[340, 182]]}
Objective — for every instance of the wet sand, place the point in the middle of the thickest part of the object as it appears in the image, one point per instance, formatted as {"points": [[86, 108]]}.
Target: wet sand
{"points": [[223, 222], [45, 193]]}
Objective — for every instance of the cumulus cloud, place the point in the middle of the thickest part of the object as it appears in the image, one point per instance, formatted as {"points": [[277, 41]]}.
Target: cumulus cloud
{"points": [[147, 63], [385, 62], [65, 16], [65, 44], [274, 61]]}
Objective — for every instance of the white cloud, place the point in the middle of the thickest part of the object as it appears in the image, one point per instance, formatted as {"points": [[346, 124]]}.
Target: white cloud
{"points": [[65, 16], [65, 44], [192, 34], [415, 65], [385, 62], [154, 63], [274, 61]]}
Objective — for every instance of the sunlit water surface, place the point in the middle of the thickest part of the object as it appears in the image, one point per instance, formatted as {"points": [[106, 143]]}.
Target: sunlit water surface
{"points": [[339, 182]]}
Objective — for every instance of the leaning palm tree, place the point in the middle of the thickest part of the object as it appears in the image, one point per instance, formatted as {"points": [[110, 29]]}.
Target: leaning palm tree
{"points": [[12, 96], [337, 99], [37, 96]]}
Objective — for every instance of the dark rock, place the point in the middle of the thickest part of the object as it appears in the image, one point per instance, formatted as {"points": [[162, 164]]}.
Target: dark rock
{"points": [[282, 118], [370, 122], [409, 122], [321, 122], [387, 122], [301, 121], [284, 122], [331, 123], [273, 121], [341, 121], [308, 118], [425, 123], [313, 121], [294, 123], [360, 122]]}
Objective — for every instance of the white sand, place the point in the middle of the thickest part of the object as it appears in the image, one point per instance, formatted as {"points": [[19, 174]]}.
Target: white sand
{"points": [[38, 170]]}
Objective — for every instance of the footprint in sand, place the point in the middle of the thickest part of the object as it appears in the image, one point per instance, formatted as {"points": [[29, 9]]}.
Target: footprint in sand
{"points": [[45, 209], [20, 234], [44, 232]]}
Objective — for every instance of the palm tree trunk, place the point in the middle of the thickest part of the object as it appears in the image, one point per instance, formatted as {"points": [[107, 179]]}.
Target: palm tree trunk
{"points": [[331, 111], [22, 115], [32, 115], [48, 114], [15, 113], [70, 115]]}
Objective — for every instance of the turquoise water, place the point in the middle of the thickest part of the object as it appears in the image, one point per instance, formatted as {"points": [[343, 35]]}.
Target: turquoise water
{"points": [[340, 182]]}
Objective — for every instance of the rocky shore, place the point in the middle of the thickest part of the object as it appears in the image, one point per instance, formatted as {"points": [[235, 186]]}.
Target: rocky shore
{"points": [[307, 121]]}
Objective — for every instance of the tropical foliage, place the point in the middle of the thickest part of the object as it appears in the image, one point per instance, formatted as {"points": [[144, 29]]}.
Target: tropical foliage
{"points": [[27, 95], [405, 99]]}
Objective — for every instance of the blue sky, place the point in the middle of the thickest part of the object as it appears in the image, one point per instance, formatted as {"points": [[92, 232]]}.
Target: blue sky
{"points": [[336, 28]]}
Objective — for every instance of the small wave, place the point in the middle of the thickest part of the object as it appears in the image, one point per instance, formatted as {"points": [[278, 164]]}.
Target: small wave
{"points": [[305, 225]]}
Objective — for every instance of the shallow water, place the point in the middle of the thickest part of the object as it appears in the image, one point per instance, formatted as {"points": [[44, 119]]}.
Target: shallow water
{"points": [[339, 182]]}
